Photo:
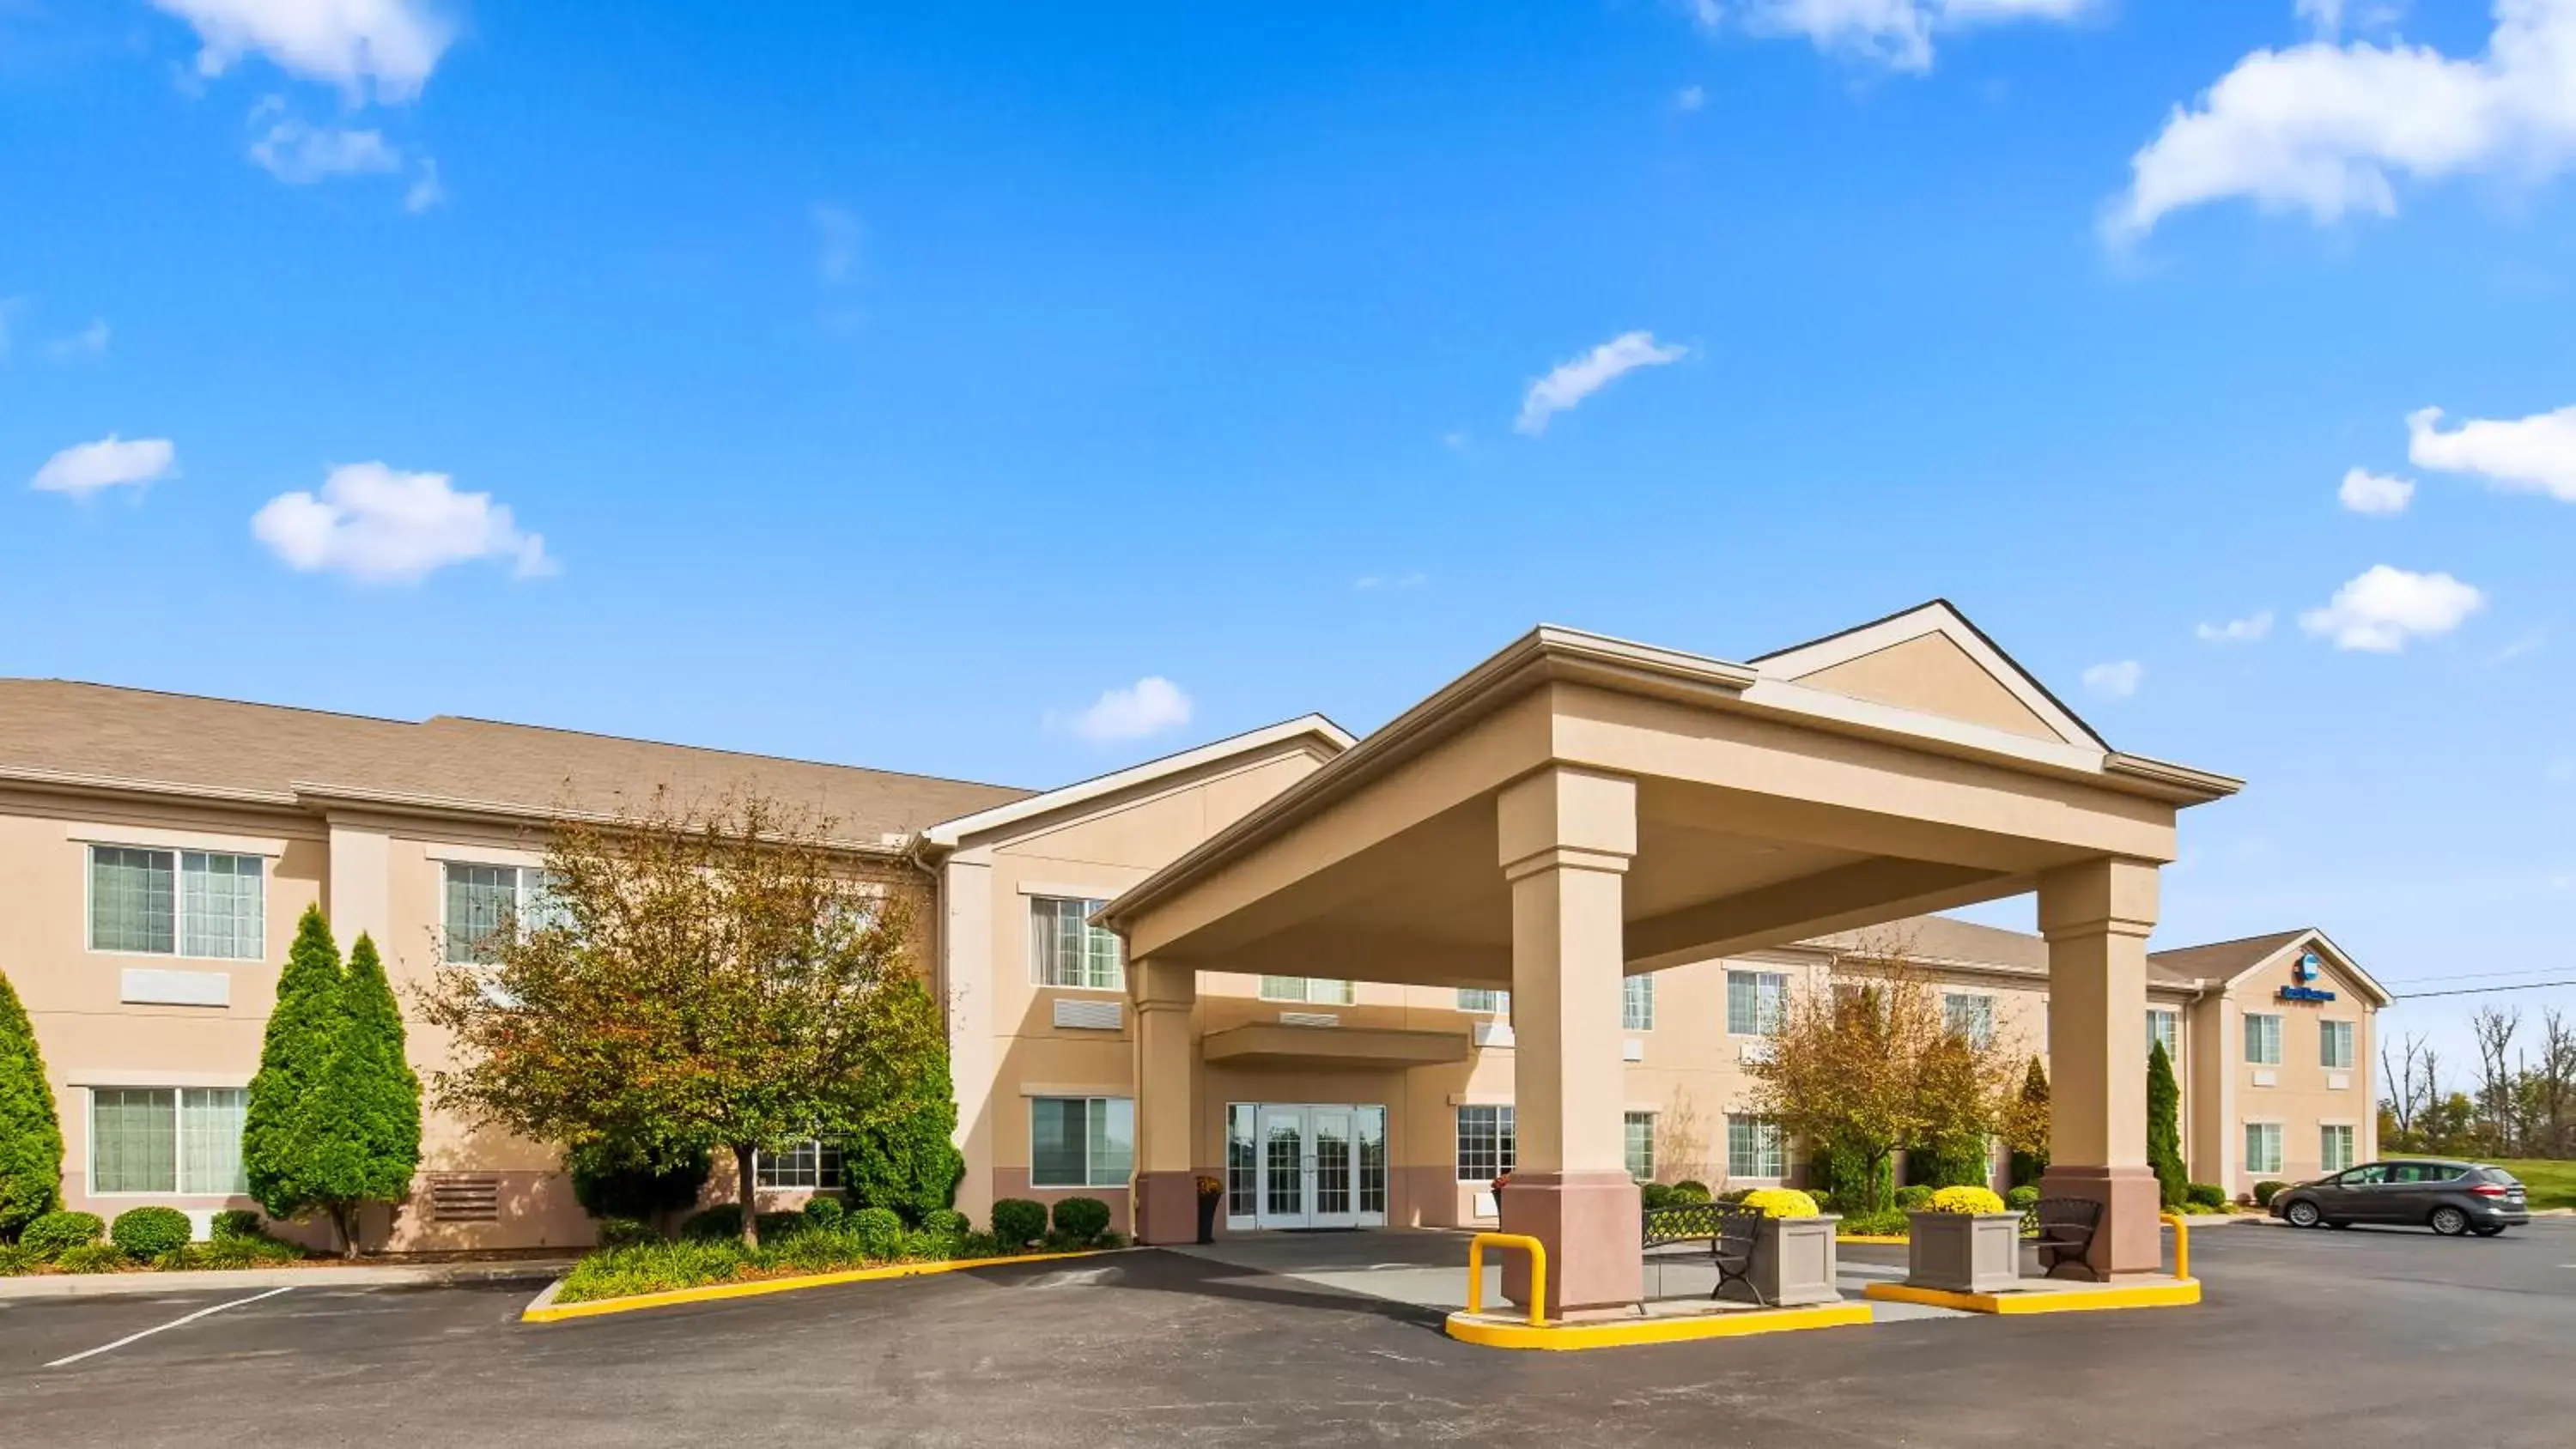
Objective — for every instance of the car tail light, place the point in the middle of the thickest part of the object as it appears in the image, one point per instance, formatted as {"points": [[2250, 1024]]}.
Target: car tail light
{"points": [[2489, 1189]]}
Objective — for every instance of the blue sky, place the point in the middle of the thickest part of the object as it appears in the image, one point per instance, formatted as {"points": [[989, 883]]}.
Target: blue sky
{"points": [[891, 384]]}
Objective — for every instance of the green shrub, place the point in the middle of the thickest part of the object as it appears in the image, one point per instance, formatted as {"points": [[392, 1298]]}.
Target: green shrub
{"points": [[775, 1227], [1856, 1183], [1018, 1221], [821, 1250], [237, 1223], [56, 1233], [719, 1224], [654, 1268], [2207, 1195], [1890, 1224], [626, 1232], [31, 1139], [981, 1245], [1653, 1195], [1913, 1198], [15, 1260], [1826, 1202], [878, 1231], [1080, 1219], [823, 1212], [910, 1163], [2164, 1126], [618, 1180], [1951, 1162], [145, 1233], [1686, 1192], [1110, 1240], [2266, 1190], [922, 1245], [2022, 1199], [92, 1258], [1734, 1194], [237, 1252], [947, 1220]]}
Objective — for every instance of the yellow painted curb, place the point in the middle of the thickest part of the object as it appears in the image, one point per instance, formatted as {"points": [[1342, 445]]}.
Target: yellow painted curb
{"points": [[1490, 1333], [545, 1310], [2168, 1294]]}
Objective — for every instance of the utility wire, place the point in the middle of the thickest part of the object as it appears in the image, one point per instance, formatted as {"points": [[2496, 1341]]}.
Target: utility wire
{"points": [[2476, 990]]}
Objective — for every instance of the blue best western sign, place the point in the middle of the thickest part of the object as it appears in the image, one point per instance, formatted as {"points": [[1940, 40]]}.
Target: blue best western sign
{"points": [[2303, 971]]}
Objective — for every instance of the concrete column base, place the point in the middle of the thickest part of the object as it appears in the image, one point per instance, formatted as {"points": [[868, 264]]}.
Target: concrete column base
{"points": [[2128, 1239], [1167, 1207], [1589, 1222]]}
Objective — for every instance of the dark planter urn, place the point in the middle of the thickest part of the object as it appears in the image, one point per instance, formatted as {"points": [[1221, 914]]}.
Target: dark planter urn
{"points": [[1207, 1219]]}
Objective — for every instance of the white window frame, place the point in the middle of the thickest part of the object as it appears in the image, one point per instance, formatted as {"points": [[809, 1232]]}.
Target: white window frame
{"points": [[2280, 1148], [825, 1168], [1095, 1173], [1310, 990], [2164, 1024], [1980, 1030], [1773, 983], [1637, 1003], [2270, 1054], [1628, 1124], [1770, 1146], [1040, 968], [2328, 1030], [527, 890], [1502, 1127], [178, 1141], [1485, 1000], [2349, 1158], [178, 856]]}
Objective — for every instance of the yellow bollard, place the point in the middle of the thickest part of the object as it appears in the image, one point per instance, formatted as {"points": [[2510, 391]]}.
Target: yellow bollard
{"points": [[2182, 1243], [1538, 1272]]}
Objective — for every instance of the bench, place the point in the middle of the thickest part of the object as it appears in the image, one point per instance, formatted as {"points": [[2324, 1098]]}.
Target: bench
{"points": [[2066, 1228], [1729, 1229]]}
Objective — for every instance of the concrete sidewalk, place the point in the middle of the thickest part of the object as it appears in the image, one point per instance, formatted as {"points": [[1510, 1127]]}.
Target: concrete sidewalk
{"points": [[363, 1275]]}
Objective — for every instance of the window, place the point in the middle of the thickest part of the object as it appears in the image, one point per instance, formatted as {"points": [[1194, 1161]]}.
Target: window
{"points": [[1081, 1141], [176, 903], [1754, 1002], [1969, 1016], [167, 1140], [2262, 1040], [1484, 1143], [2262, 1147], [1242, 1161], [483, 900], [1637, 1003], [2334, 1147], [1497, 1003], [2166, 1027], [2334, 1045], [1641, 1146], [1065, 949], [1754, 1148], [1313, 990], [807, 1164]]}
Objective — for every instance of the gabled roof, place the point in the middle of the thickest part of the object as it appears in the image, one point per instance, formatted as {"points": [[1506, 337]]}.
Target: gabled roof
{"points": [[1828, 663], [1319, 733], [1942, 941], [2229, 962], [97, 736]]}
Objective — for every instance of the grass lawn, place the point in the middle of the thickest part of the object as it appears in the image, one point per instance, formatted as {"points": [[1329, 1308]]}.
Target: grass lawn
{"points": [[2552, 1182]]}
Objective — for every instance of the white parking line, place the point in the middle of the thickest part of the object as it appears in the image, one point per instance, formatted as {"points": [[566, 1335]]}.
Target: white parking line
{"points": [[165, 1327]]}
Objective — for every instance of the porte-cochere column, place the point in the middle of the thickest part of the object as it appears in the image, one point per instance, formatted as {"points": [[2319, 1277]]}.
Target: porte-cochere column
{"points": [[2096, 916], [1566, 838], [1165, 1198]]}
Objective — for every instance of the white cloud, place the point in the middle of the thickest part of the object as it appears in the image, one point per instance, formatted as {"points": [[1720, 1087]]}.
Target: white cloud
{"points": [[1573, 381], [389, 45], [837, 235], [2115, 681], [85, 468], [1150, 706], [2325, 17], [1894, 33], [2251, 629], [89, 342], [383, 525], [2320, 127], [426, 191], [2382, 609], [2366, 492], [1690, 98], [2536, 454], [300, 154]]}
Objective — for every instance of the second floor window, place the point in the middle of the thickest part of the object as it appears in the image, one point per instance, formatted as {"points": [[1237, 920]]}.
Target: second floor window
{"points": [[1637, 1004], [176, 903], [1065, 949], [2262, 1040], [1755, 1002], [1477, 998], [2166, 1027], [1313, 990], [2334, 1045], [483, 900], [1969, 1016]]}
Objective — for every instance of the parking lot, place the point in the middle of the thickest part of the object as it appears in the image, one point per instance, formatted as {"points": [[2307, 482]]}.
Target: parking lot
{"points": [[2354, 1338]]}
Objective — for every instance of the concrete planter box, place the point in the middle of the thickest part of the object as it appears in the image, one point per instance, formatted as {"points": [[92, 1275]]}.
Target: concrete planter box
{"points": [[1793, 1261], [1964, 1252]]}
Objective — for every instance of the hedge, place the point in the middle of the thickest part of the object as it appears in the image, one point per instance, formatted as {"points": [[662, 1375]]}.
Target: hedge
{"points": [[1079, 1221], [1017, 1221], [146, 1233], [58, 1232]]}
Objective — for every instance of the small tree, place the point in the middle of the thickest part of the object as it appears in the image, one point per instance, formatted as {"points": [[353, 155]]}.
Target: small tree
{"points": [[619, 1180], [2164, 1127], [31, 1139], [2025, 1127], [716, 980], [371, 1102], [278, 1151], [334, 1117], [910, 1162]]}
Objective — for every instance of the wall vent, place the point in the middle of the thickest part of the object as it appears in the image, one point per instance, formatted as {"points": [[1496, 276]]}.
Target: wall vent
{"points": [[1754, 1051], [1309, 1018], [1078, 1015], [464, 1197], [1494, 1034], [1632, 1050]]}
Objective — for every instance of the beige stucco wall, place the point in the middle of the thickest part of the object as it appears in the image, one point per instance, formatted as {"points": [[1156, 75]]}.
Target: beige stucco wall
{"points": [[2302, 1095]]}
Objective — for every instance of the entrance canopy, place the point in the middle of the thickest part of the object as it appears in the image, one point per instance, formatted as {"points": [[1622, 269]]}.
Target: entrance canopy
{"points": [[1904, 766]]}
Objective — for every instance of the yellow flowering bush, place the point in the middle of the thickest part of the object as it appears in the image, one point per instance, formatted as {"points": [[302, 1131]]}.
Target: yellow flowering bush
{"points": [[1966, 1200], [1781, 1202]]}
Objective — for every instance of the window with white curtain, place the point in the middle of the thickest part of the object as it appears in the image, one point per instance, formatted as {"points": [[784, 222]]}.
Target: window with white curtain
{"points": [[2262, 1039], [176, 903], [1312, 990], [167, 1140], [1065, 949], [1637, 1003], [2334, 1045], [2262, 1147], [2166, 1027], [1755, 1148], [484, 900], [1477, 998], [2334, 1147], [1969, 1015], [1755, 1002], [1641, 1145], [1081, 1141]]}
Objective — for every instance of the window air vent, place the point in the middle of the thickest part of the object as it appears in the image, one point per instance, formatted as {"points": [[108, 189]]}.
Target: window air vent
{"points": [[1077, 1015], [1632, 1050], [1309, 1018], [457, 1197], [1754, 1051], [1493, 1033]]}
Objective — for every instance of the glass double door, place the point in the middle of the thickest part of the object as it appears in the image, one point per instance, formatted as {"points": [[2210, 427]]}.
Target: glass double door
{"points": [[1319, 1166]]}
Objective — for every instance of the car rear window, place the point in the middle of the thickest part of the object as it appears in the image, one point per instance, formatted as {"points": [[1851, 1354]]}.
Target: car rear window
{"points": [[2498, 1176]]}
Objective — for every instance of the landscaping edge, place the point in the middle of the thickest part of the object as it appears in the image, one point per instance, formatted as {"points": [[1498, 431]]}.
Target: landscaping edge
{"points": [[544, 1309], [152, 1283]]}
